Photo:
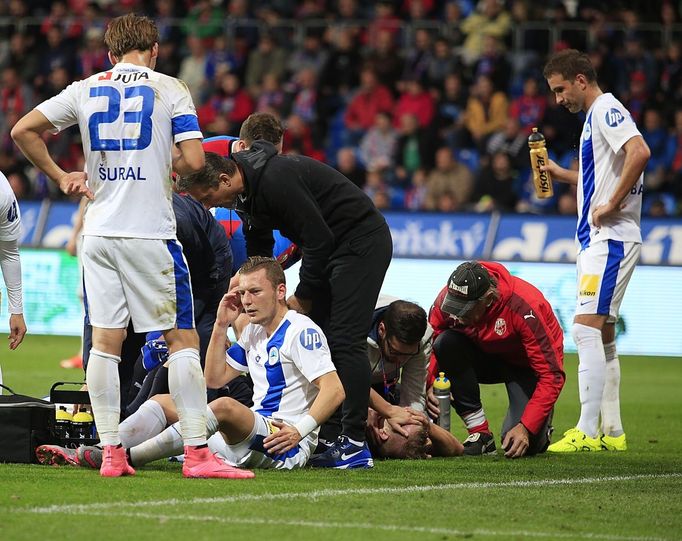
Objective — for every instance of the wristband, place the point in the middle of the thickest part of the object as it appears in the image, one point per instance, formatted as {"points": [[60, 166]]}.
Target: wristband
{"points": [[305, 425]]}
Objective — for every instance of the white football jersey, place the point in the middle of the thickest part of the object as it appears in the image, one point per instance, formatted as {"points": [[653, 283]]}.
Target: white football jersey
{"points": [[129, 118], [283, 366], [607, 128], [10, 217]]}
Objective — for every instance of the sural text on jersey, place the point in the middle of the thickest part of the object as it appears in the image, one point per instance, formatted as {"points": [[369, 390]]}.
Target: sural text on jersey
{"points": [[120, 173]]}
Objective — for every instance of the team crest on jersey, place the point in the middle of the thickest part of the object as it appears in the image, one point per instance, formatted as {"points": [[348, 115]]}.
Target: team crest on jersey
{"points": [[587, 132], [500, 326], [273, 356], [614, 117], [310, 339]]}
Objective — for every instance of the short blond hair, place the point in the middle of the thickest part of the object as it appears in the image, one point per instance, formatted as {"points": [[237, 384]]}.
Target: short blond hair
{"points": [[130, 33], [273, 270]]}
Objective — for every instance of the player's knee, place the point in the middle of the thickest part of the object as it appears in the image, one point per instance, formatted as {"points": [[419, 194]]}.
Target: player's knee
{"points": [[223, 408], [452, 350], [584, 335], [167, 404]]}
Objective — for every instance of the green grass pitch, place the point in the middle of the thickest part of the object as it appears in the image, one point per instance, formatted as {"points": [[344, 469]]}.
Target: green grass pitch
{"points": [[630, 496]]}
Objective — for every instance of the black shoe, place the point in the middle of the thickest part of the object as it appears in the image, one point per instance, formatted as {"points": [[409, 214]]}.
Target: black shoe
{"points": [[480, 443], [322, 446]]}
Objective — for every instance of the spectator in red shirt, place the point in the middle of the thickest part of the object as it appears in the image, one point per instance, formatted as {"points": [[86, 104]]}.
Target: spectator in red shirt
{"points": [[415, 101], [229, 106], [529, 108], [370, 99], [492, 327]]}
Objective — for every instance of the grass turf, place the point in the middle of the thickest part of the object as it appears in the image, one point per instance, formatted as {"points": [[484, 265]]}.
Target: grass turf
{"points": [[634, 495]]}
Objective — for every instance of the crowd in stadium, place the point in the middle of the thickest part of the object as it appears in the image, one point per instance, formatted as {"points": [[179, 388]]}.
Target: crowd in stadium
{"points": [[425, 104]]}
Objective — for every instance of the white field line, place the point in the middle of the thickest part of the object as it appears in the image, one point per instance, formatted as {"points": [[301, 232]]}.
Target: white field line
{"points": [[333, 493], [160, 519]]}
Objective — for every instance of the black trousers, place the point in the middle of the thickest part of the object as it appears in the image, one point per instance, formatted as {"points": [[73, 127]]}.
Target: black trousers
{"points": [[356, 273], [467, 366]]}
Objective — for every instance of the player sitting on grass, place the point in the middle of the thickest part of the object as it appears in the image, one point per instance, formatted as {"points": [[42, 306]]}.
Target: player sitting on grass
{"points": [[288, 359]]}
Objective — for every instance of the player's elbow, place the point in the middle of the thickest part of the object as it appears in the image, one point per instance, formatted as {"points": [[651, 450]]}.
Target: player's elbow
{"points": [[639, 152], [195, 162], [335, 389], [214, 380], [644, 153]]}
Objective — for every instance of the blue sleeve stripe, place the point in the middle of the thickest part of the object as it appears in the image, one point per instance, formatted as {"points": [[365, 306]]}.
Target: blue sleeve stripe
{"points": [[237, 354], [185, 123]]}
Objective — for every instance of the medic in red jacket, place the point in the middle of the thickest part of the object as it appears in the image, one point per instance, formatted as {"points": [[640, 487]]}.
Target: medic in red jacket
{"points": [[511, 330]]}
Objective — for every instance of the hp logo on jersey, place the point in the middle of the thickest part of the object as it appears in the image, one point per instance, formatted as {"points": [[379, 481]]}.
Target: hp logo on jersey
{"points": [[310, 339], [614, 117]]}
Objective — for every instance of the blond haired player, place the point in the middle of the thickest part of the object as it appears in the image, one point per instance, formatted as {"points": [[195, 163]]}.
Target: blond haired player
{"points": [[136, 125]]}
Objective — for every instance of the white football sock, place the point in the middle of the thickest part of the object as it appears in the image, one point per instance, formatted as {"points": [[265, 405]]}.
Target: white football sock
{"points": [[104, 389], [610, 404], [168, 443], [211, 422], [188, 389], [148, 421], [591, 376]]}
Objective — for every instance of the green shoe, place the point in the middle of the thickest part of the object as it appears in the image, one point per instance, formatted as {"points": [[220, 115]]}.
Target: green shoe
{"points": [[614, 443], [575, 441]]}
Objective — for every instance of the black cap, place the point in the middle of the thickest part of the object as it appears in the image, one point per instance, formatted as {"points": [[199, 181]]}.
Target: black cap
{"points": [[466, 286]]}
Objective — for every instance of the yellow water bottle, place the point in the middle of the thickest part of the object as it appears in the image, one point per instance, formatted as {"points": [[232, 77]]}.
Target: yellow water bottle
{"points": [[542, 180], [62, 423], [82, 424], [441, 390]]}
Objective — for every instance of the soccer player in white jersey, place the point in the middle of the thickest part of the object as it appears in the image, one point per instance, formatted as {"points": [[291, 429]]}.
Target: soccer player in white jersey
{"points": [[613, 156], [296, 387], [136, 125], [10, 231]]}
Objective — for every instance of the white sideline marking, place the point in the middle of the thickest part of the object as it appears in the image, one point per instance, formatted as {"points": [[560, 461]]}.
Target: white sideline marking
{"points": [[328, 493], [386, 527]]}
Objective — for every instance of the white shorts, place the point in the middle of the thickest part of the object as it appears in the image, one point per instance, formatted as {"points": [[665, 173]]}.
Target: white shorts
{"points": [[250, 453], [143, 279], [604, 270]]}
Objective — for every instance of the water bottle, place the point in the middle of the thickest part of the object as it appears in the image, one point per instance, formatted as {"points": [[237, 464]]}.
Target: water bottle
{"points": [[441, 390], [62, 423], [542, 180], [82, 424]]}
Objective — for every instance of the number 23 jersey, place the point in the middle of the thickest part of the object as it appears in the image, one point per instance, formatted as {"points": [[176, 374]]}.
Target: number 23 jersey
{"points": [[129, 118]]}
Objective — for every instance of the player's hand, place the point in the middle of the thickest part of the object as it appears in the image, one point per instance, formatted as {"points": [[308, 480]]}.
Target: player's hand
{"points": [[516, 442], [302, 306], [234, 282], [603, 213], [375, 424], [552, 168], [229, 308], [17, 330], [432, 407], [399, 417], [285, 439], [74, 183], [71, 247]]}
